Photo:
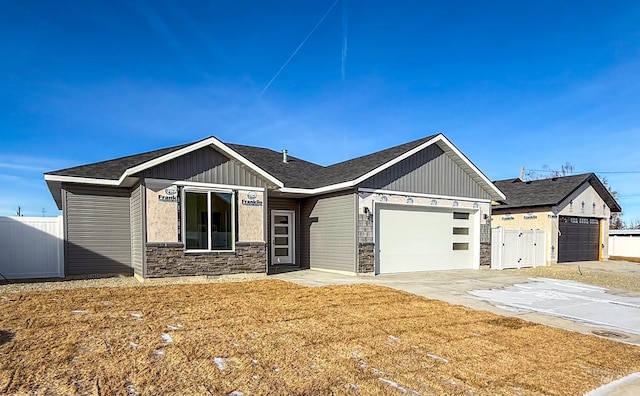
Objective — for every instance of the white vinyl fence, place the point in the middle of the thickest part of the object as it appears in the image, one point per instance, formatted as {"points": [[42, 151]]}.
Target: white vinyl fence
{"points": [[31, 247], [516, 248], [624, 245]]}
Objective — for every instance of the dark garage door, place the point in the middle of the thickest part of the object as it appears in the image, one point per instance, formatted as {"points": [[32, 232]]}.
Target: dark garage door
{"points": [[579, 239]]}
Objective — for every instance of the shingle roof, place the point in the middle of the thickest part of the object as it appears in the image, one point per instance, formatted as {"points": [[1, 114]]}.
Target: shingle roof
{"points": [[114, 168], [549, 192], [296, 173]]}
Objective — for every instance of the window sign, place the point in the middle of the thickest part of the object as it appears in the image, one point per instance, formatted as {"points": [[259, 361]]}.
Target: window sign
{"points": [[170, 194]]}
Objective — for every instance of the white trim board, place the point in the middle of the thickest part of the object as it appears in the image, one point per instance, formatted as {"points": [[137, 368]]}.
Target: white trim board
{"points": [[420, 195]]}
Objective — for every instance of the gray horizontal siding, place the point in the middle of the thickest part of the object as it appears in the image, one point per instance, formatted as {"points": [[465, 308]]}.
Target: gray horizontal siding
{"points": [[429, 171], [328, 232], [137, 235], [205, 165], [97, 228], [274, 203]]}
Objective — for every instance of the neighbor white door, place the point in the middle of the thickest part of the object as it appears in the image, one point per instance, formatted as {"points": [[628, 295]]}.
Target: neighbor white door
{"points": [[282, 236], [414, 238]]}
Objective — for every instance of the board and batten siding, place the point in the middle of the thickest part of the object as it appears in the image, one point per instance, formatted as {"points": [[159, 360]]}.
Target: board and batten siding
{"points": [[328, 232], [429, 171], [275, 203], [137, 230], [205, 165], [97, 229]]}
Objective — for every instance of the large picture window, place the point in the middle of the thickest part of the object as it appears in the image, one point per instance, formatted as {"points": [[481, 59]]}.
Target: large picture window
{"points": [[208, 220]]}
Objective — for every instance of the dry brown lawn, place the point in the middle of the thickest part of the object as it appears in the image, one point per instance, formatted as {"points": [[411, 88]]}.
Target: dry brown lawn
{"points": [[272, 337], [623, 258], [585, 275]]}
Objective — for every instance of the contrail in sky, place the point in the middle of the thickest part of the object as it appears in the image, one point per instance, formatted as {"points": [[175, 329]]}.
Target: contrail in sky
{"points": [[345, 31], [298, 49]]}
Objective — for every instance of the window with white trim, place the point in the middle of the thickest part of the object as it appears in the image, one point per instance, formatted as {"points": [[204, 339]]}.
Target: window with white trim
{"points": [[208, 219]]}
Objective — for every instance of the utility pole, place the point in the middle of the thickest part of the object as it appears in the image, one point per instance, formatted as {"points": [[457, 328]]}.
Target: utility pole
{"points": [[19, 212], [43, 212]]}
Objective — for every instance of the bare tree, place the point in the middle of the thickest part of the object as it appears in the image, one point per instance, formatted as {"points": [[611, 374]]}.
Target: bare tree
{"points": [[616, 222], [548, 173]]}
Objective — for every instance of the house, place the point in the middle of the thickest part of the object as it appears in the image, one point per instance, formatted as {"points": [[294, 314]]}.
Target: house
{"points": [[213, 208], [574, 212]]}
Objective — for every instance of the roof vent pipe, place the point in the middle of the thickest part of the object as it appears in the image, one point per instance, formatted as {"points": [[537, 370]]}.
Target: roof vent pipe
{"points": [[285, 157]]}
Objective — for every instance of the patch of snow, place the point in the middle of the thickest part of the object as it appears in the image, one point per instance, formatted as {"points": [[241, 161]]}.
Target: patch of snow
{"points": [[435, 357], [276, 368], [475, 334], [236, 393], [133, 344], [361, 362], [375, 371], [312, 366], [106, 302], [616, 386], [587, 304], [255, 377], [393, 338], [397, 386], [166, 337], [136, 315], [78, 311], [131, 390], [159, 352], [254, 361], [353, 386], [221, 363], [75, 359], [169, 327]]}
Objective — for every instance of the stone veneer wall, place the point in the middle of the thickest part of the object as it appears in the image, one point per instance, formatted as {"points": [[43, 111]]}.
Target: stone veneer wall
{"points": [[365, 257], [485, 244], [366, 244], [170, 259], [485, 254]]}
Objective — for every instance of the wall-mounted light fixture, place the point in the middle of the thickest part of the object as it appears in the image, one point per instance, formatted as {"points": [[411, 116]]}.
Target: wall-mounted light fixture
{"points": [[434, 202]]}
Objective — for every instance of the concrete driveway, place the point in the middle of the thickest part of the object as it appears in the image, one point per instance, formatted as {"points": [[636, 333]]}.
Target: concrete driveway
{"points": [[455, 286]]}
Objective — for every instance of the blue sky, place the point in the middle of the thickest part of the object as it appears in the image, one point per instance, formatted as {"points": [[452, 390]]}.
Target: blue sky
{"points": [[510, 83]]}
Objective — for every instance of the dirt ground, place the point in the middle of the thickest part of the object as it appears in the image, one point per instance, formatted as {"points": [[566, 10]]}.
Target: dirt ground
{"points": [[273, 337], [585, 275]]}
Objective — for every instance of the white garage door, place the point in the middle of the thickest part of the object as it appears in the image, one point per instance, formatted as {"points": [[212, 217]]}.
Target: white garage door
{"points": [[413, 238]]}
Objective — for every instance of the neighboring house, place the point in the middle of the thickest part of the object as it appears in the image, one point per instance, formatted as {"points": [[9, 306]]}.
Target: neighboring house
{"points": [[212, 208], [574, 211]]}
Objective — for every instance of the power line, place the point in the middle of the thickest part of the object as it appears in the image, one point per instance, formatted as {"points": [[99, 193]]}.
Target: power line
{"points": [[605, 172], [298, 49]]}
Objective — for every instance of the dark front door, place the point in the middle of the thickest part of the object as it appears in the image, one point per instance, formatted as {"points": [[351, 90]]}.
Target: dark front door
{"points": [[579, 239]]}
